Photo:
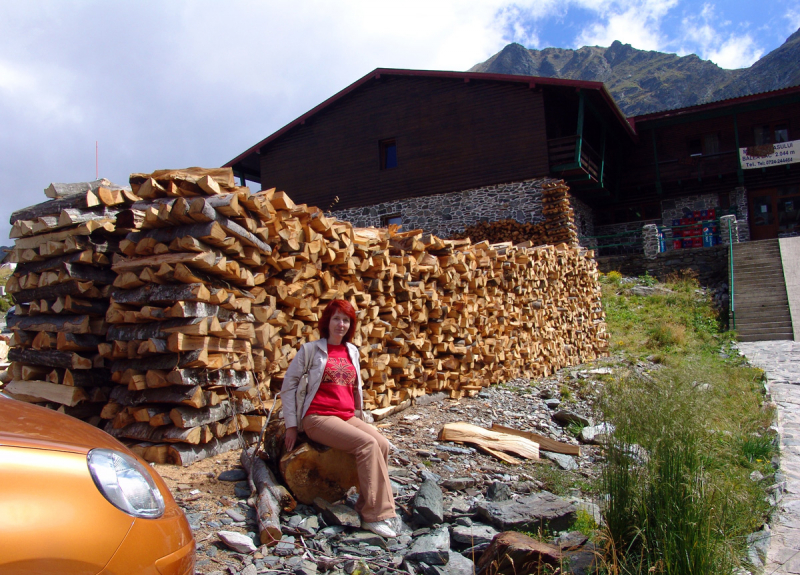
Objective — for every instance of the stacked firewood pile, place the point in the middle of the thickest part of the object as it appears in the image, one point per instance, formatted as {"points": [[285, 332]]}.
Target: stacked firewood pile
{"points": [[504, 231], [188, 315], [63, 251], [207, 290], [558, 225]]}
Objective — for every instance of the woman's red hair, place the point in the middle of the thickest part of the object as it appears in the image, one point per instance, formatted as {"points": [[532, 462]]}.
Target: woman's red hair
{"points": [[344, 307]]}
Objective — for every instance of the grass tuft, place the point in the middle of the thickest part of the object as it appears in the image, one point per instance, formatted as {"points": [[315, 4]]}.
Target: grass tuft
{"points": [[678, 498]]}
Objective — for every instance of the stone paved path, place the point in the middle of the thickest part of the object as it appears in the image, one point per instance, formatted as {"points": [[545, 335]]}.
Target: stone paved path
{"points": [[781, 361]]}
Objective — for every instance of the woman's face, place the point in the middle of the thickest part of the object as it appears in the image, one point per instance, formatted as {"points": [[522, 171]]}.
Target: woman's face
{"points": [[339, 326]]}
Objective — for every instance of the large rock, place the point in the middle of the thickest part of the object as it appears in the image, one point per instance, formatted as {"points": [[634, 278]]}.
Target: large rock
{"points": [[596, 433], [542, 510], [429, 504], [457, 564], [237, 541], [513, 553], [566, 417], [337, 514], [565, 462], [459, 483], [433, 548], [498, 491], [475, 534]]}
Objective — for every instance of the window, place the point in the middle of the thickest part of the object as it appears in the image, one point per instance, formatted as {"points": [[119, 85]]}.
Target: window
{"points": [[391, 219], [388, 154], [710, 144], [704, 145], [770, 133]]}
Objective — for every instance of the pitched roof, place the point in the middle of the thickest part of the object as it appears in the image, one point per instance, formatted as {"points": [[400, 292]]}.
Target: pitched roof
{"points": [[376, 74]]}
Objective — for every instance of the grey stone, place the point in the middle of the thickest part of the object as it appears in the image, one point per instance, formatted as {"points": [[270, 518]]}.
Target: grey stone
{"points": [[234, 515], [241, 489], [596, 434], [194, 520], [364, 538], [459, 483], [309, 525], [249, 570], [338, 514], [552, 403], [454, 449], [237, 541], [432, 548], [305, 567], [498, 491], [565, 462], [285, 547], [457, 564], [427, 475], [233, 475], [428, 504], [565, 417], [757, 547], [542, 510], [477, 534]]}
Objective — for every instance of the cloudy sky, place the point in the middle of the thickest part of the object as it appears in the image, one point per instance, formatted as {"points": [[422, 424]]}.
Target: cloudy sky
{"points": [[177, 83]]}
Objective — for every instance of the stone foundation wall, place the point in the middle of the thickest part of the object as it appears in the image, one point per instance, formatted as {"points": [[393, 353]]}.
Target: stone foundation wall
{"points": [[677, 208], [584, 217], [710, 264], [446, 214], [606, 238]]}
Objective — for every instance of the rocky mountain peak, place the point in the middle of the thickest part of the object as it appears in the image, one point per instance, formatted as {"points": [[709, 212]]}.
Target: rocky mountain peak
{"points": [[645, 81]]}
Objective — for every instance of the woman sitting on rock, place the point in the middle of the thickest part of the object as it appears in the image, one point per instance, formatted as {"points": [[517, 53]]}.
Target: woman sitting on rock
{"points": [[332, 410]]}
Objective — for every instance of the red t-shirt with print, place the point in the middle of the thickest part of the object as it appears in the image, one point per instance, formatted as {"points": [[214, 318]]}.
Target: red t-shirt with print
{"points": [[336, 393]]}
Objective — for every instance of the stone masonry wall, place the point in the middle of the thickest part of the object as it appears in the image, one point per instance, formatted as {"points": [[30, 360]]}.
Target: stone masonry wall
{"points": [[446, 214], [584, 217], [677, 208], [710, 264]]}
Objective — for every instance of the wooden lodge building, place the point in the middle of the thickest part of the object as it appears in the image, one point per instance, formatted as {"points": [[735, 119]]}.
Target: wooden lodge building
{"points": [[443, 150]]}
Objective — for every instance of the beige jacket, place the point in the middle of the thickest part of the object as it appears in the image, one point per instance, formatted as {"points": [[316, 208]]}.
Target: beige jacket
{"points": [[319, 349]]}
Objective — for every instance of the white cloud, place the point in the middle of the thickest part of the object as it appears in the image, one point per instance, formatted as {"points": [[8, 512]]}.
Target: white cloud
{"points": [[635, 22], [703, 34], [793, 18]]}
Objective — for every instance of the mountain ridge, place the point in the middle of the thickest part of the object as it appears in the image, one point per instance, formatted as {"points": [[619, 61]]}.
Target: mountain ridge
{"points": [[644, 81]]}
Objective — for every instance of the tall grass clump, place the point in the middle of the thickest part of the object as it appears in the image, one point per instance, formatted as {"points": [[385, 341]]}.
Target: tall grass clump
{"points": [[678, 497]]}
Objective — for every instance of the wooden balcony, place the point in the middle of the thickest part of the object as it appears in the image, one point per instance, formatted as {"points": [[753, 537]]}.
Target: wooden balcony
{"points": [[591, 172]]}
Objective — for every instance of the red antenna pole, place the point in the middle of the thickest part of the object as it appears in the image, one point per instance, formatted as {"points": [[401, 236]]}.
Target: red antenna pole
{"points": [[96, 161]]}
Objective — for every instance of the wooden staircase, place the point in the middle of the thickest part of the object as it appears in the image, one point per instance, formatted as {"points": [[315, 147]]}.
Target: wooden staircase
{"points": [[759, 291]]}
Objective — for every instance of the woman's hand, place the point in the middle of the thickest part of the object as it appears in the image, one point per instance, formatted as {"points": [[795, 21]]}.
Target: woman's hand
{"points": [[290, 438]]}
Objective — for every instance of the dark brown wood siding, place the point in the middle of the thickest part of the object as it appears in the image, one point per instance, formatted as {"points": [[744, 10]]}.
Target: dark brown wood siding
{"points": [[682, 174], [450, 135]]}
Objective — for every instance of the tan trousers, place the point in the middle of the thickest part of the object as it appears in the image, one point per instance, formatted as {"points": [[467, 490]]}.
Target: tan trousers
{"points": [[371, 450]]}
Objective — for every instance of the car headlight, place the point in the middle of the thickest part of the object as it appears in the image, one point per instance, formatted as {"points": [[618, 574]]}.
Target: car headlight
{"points": [[125, 483]]}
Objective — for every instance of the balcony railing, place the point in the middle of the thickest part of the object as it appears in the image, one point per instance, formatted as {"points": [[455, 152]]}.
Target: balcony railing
{"points": [[562, 159]]}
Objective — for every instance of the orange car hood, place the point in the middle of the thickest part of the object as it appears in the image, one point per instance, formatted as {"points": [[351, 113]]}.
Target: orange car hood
{"points": [[27, 425]]}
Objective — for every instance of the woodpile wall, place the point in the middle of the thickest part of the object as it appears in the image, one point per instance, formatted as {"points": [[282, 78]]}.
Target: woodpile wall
{"points": [[175, 317]]}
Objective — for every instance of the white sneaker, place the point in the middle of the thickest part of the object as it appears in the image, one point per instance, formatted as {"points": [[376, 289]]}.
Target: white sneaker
{"points": [[382, 528]]}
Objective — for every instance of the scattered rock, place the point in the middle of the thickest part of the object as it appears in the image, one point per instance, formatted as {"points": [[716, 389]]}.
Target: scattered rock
{"points": [[552, 403], [459, 483], [565, 417], [476, 534], [233, 475], [337, 514], [237, 541], [428, 504], [596, 434], [511, 553], [498, 491], [565, 462], [530, 513], [433, 548]]}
